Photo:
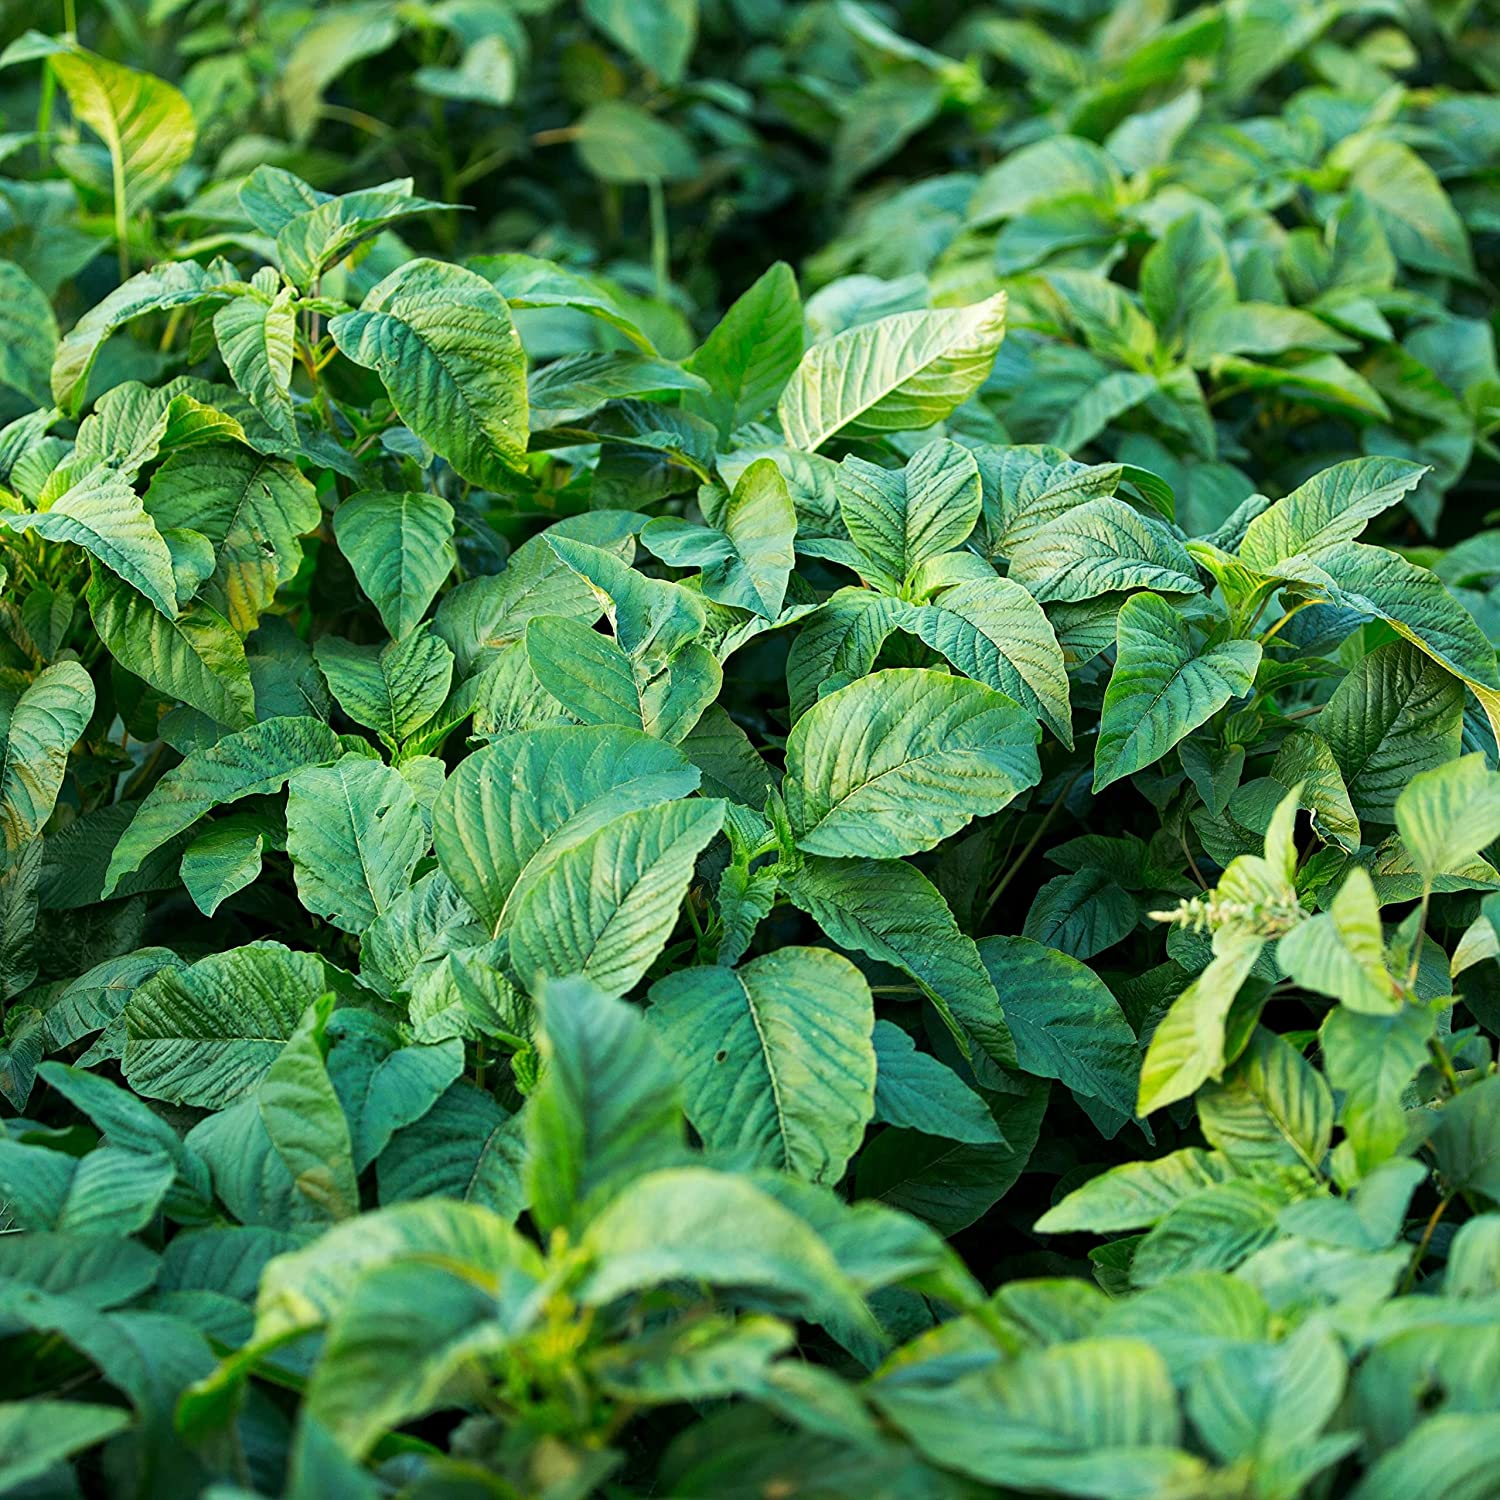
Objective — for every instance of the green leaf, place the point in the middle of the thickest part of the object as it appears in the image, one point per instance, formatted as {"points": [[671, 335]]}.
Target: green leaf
{"points": [[897, 374], [252, 509], [747, 561], [1396, 714], [749, 356], [891, 912], [171, 285], [1370, 1060], [689, 1223], [1451, 1456], [510, 810], [1341, 952], [317, 238], [1066, 1023], [1272, 1107], [1092, 1416], [221, 862], [841, 640], [255, 762], [31, 340], [256, 334], [1447, 815], [393, 689], [1187, 1047], [899, 518], [354, 835], [306, 1125], [1306, 759], [1136, 1194], [620, 142], [1162, 687], [442, 341], [994, 631], [1101, 547], [400, 545], [146, 124], [607, 1110], [605, 907], [914, 1091], [207, 1034], [1333, 506], [776, 1058], [1466, 1140], [36, 1435], [658, 36], [897, 761], [102, 513], [197, 658], [39, 728], [464, 1147]]}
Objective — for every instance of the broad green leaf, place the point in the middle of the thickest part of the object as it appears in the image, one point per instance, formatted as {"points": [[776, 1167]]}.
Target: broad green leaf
{"points": [[393, 689], [891, 912], [1272, 1107], [39, 728], [1333, 506], [354, 835], [400, 545], [1163, 687], [198, 658], [1370, 1060], [464, 1147], [1341, 952], [146, 124], [747, 560], [220, 862], [897, 761], [776, 1059], [256, 334], [442, 341], [1187, 1047], [302, 1117], [1396, 714], [840, 640], [899, 518], [1186, 276], [326, 232], [31, 339], [1093, 1416], [1135, 1195], [509, 810], [101, 512], [1306, 759], [36, 1436], [896, 374], [914, 1091], [1447, 815], [1101, 547], [660, 37], [1066, 1023], [751, 352], [254, 762], [994, 631], [170, 285], [607, 1110], [1082, 914], [252, 509], [1451, 1456], [605, 907], [620, 142], [206, 1034], [689, 1223], [1466, 1139]]}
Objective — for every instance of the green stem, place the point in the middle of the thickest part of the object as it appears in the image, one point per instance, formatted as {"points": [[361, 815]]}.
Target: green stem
{"points": [[1030, 844], [661, 247], [1424, 1242]]}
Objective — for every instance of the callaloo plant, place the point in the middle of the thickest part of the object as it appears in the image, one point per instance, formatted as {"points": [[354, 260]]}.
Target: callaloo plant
{"points": [[889, 890]]}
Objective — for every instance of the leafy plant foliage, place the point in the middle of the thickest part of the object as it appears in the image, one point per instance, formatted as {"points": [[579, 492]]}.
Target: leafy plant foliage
{"points": [[794, 795]]}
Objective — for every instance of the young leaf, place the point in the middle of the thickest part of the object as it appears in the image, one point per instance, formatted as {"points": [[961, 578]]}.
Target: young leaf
{"points": [[752, 351], [1162, 688]]}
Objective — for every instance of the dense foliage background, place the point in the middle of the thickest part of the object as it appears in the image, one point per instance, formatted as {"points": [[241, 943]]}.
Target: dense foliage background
{"points": [[749, 749]]}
